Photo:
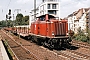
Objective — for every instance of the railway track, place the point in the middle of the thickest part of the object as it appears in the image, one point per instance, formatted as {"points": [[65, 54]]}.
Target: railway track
{"points": [[69, 54], [20, 51], [41, 53], [63, 54], [72, 55], [80, 44]]}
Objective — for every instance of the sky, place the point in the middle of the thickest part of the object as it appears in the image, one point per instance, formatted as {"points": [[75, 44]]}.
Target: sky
{"points": [[66, 6]]}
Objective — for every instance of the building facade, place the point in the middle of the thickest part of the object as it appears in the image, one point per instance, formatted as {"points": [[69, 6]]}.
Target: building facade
{"points": [[79, 19], [46, 7]]}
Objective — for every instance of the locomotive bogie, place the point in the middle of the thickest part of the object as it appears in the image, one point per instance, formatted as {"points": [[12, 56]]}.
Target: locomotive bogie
{"points": [[56, 42]]}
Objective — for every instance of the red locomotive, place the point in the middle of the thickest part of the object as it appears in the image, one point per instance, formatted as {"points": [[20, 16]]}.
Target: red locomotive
{"points": [[47, 31]]}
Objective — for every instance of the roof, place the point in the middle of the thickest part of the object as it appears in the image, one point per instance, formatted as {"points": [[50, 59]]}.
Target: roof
{"points": [[79, 13], [48, 15]]}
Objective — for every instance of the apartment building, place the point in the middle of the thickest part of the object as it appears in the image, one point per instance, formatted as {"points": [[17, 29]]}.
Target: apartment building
{"points": [[80, 18], [46, 7]]}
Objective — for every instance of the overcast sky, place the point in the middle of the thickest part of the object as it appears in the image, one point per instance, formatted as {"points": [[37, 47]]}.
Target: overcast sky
{"points": [[66, 6]]}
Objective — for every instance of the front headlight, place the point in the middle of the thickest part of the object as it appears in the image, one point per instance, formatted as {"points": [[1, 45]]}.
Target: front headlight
{"points": [[67, 34], [52, 33]]}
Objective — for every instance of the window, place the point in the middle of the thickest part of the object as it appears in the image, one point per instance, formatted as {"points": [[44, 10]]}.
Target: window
{"points": [[41, 7], [52, 12], [51, 0], [43, 0], [48, 6], [53, 6]]}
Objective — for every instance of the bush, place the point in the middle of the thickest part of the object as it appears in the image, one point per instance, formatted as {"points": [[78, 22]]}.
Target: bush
{"points": [[81, 36], [77, 37], [84, 38]]}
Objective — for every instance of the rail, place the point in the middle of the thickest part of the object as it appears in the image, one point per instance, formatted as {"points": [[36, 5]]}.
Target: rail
{"points": [[22, 46]]}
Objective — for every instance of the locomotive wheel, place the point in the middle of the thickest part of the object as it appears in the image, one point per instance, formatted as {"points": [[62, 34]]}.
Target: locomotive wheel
{"points": [[32, 38], [29, 37], [51, 46], [52, 43], [44, 43], [66, 43], [39, 41], [48, 45]]}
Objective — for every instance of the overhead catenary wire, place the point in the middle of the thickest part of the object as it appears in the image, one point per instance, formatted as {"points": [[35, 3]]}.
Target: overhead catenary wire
{"points": [[6, 8], [9, 2], [8, 5], [68, 4]]}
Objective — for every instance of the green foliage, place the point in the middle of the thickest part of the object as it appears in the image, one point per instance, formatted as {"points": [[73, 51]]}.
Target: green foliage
{"points": [[88, 35], [25, 20], [9, 23], [81, 36], [21, 20], [84, 38], [2, 23], [5, 23]]}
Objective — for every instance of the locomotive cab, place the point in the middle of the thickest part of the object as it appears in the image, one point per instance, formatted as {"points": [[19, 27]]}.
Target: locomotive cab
{"points": [[43, 17]]}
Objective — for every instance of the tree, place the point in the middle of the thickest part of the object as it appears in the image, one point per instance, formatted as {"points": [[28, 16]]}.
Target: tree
{"points": [[4, 23], [81, 36], [9, 23], [19, 19], [25, 20], [22, 20], [88, 34]]}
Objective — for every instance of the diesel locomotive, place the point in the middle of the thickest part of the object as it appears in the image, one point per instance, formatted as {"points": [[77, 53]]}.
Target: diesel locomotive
{"points": [[46, 30]]}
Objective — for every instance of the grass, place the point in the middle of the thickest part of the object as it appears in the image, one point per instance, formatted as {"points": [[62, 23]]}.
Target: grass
{"points": [[8, 50]]}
